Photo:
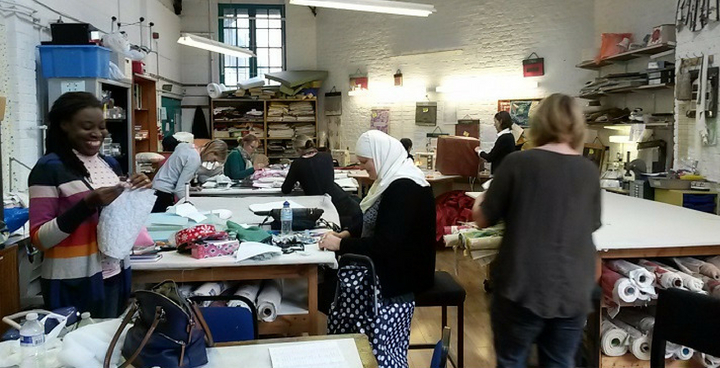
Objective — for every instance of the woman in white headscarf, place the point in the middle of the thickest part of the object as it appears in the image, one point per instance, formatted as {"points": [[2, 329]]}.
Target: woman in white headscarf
{"points": [[398, 235]]}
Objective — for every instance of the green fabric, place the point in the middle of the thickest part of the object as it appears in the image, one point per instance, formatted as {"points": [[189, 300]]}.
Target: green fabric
{"points": [[235, 167], [252, 233]]}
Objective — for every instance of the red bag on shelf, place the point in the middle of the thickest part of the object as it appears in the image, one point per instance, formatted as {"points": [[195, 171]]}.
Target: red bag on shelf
{"points": [[610, 47]]}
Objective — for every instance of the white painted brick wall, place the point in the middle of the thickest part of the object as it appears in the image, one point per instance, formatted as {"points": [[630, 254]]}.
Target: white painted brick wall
{"points": [[687, 138], [26, 105]]}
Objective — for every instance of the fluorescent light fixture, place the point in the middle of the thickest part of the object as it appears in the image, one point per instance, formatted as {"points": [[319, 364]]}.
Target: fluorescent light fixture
{"points": [[375, 6], [619, 139], [189, 39]]}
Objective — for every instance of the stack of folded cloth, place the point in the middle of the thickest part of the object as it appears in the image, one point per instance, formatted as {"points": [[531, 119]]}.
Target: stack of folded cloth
{"points": [[280, 131], [305, 129], [277, 109], [303, 110]]}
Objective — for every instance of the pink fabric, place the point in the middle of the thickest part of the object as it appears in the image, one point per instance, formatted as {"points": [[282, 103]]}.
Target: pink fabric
{"points": [[144, 238], [214, 249]]}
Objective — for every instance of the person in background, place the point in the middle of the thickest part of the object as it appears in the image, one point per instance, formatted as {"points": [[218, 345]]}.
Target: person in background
{"points": [[316, 175], [178, 170], [505, 143], [398, 235], [212, 155], [239, 163], [407, 143], [69, 185], [544, 274]]}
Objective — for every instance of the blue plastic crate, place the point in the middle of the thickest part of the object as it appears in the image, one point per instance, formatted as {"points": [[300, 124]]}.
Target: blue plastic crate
{"points": [[74, 61]]}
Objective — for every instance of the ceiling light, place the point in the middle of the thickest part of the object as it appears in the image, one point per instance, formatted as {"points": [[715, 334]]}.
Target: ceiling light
{"points": [[192, 40], [376, 6]]}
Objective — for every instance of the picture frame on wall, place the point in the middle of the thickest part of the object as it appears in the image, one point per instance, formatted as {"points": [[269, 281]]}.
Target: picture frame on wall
{"points": [[595, 152], [520, 109]]}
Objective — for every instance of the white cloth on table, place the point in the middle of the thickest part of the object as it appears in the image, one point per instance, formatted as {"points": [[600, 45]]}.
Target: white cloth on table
{"points": [[86, 346]]}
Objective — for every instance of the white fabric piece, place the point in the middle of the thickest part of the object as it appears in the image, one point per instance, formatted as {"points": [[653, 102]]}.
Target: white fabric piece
{"points": [[707, 361], [184, 137], [639, 275], [86, 346], [695, 265], [612, 339], [249, 290], [671, 349], [268, 301], [644, 323], [625, 291], [253, 250], [120, 222], [391, 163], [185, 290]]}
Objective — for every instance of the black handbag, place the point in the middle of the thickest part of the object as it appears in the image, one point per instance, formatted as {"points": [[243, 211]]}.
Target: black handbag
{"points": [[168, 331], [303, 218]]}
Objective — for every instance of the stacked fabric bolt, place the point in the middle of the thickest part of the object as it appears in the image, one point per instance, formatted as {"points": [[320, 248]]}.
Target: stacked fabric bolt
{"points": [[280, 131], [303, 111], [305, 129], [664, 278], [696, 266], [277, 109], [638, 343]]}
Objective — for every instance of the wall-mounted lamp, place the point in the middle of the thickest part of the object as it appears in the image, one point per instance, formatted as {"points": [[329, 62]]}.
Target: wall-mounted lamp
{"points": [[398, 78]]}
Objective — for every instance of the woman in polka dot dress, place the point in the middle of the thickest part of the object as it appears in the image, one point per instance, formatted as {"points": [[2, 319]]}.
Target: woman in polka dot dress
{"points": [[398, 236]]}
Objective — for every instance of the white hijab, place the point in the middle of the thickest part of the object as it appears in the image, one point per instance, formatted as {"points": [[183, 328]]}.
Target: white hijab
{"points": [[391, 163]]}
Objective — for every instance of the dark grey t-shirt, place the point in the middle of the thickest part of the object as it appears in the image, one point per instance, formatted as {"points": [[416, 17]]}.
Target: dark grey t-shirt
{"points": [[550, 204]]}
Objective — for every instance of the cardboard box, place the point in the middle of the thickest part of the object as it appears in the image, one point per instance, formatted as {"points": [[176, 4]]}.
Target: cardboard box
{"points": [[664, 33]]}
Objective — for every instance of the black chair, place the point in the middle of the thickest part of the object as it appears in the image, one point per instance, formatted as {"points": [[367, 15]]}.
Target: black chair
{"points": [[446, 292], [688, 319]]}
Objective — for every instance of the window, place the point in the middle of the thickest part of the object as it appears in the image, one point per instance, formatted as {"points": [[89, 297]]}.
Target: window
{"points": [[261, 28]]}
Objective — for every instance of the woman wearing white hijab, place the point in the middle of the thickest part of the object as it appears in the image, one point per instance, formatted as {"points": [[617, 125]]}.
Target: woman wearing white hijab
{"points": [[398, 235]]}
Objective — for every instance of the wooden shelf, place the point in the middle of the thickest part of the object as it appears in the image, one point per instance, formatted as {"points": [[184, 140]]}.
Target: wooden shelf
{"points": [[650, 87], [625, 56], [629, 361], [291, 122], [646, 88]]}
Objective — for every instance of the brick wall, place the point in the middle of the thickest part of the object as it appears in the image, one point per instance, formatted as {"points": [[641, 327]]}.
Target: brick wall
{"points": [[20, 82], [687, 139]]}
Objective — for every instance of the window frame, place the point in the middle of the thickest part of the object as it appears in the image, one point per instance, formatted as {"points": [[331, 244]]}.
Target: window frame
{"points": [[252, 10]]}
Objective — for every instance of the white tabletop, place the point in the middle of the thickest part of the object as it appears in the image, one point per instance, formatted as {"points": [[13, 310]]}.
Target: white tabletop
{"points": [[243, 215], [635, 223], [249, 192]]}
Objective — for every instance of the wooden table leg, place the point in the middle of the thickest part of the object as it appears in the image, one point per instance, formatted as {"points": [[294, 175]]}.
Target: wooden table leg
{"points": [[312, 277]]}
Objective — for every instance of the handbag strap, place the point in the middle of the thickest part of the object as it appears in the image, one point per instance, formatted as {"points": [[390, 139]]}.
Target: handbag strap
{"points": [[203, 324], [159, 315]]}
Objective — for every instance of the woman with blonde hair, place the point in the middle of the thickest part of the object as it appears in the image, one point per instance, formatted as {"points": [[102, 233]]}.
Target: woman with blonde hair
{"points": [[544, 275], [213, 155], [239, 163]]}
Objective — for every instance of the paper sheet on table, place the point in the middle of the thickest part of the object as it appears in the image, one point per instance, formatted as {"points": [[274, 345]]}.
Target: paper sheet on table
{"points": [[323, 354], [166, 219], [189, 211], [249, 250], [346, 182], [267, 207]]}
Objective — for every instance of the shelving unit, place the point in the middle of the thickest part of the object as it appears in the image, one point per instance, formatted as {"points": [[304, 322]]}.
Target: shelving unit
{"points": [[145, 112], [118, 94], [231, 129], [625, 56]]}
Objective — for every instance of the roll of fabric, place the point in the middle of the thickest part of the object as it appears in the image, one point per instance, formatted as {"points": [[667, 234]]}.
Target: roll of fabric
{"points": [[618, 288], [268, 300], [665, 279], [684, 353], [707, 361], [249, 290], [689, 282], [451, 240], [612, 339], [638, 274], [210, 289], [643, 322], [695, 265], [185, 290], [639, 343], [712, 286], [490, 242], [714, 261]]}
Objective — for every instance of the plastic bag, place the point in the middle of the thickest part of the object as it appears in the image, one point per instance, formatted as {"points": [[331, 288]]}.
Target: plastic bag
{"points": [[610, 47]]}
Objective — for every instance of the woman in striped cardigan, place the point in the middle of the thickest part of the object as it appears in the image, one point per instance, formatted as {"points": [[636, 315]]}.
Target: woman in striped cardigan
{"points": [[68, 188]]}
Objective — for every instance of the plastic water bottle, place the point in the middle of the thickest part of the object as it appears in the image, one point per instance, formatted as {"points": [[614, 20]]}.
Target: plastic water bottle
{"points": [[286, 218], [32, 342]]}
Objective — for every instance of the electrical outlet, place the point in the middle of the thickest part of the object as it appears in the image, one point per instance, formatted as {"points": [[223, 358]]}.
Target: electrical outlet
{"points": [[72, 86]]}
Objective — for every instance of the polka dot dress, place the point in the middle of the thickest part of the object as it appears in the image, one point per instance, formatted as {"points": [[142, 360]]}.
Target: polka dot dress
{"points": [[360, 308]]}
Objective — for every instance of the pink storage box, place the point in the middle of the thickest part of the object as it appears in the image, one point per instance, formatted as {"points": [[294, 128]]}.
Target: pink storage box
{"points": [[214, 248]]}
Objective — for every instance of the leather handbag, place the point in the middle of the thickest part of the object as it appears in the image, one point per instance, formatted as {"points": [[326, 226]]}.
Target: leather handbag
{"points": [[303, 218], [168, 331]]}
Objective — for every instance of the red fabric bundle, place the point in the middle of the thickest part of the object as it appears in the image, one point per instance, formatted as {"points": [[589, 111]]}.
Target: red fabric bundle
{"points": [[451, 209]]}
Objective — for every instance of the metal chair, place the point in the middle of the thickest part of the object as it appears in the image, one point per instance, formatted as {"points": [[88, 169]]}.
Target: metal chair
{"points": [[688, 319]]}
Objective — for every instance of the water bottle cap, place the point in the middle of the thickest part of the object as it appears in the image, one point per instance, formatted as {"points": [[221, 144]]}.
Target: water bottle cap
{"points": [[85, 315], [286, 204], [31, 316]]}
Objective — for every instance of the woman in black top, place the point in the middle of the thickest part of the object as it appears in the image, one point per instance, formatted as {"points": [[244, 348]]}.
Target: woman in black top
{"points": [[544, 274], [398, 235], [316, 175], [505, 143]]}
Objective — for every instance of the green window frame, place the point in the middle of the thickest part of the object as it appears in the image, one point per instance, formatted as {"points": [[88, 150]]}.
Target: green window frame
{"points": [[260, 28]]}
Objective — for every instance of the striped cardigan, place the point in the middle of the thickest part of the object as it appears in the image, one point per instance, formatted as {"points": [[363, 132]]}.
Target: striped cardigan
{"points": [[64, 227]]}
